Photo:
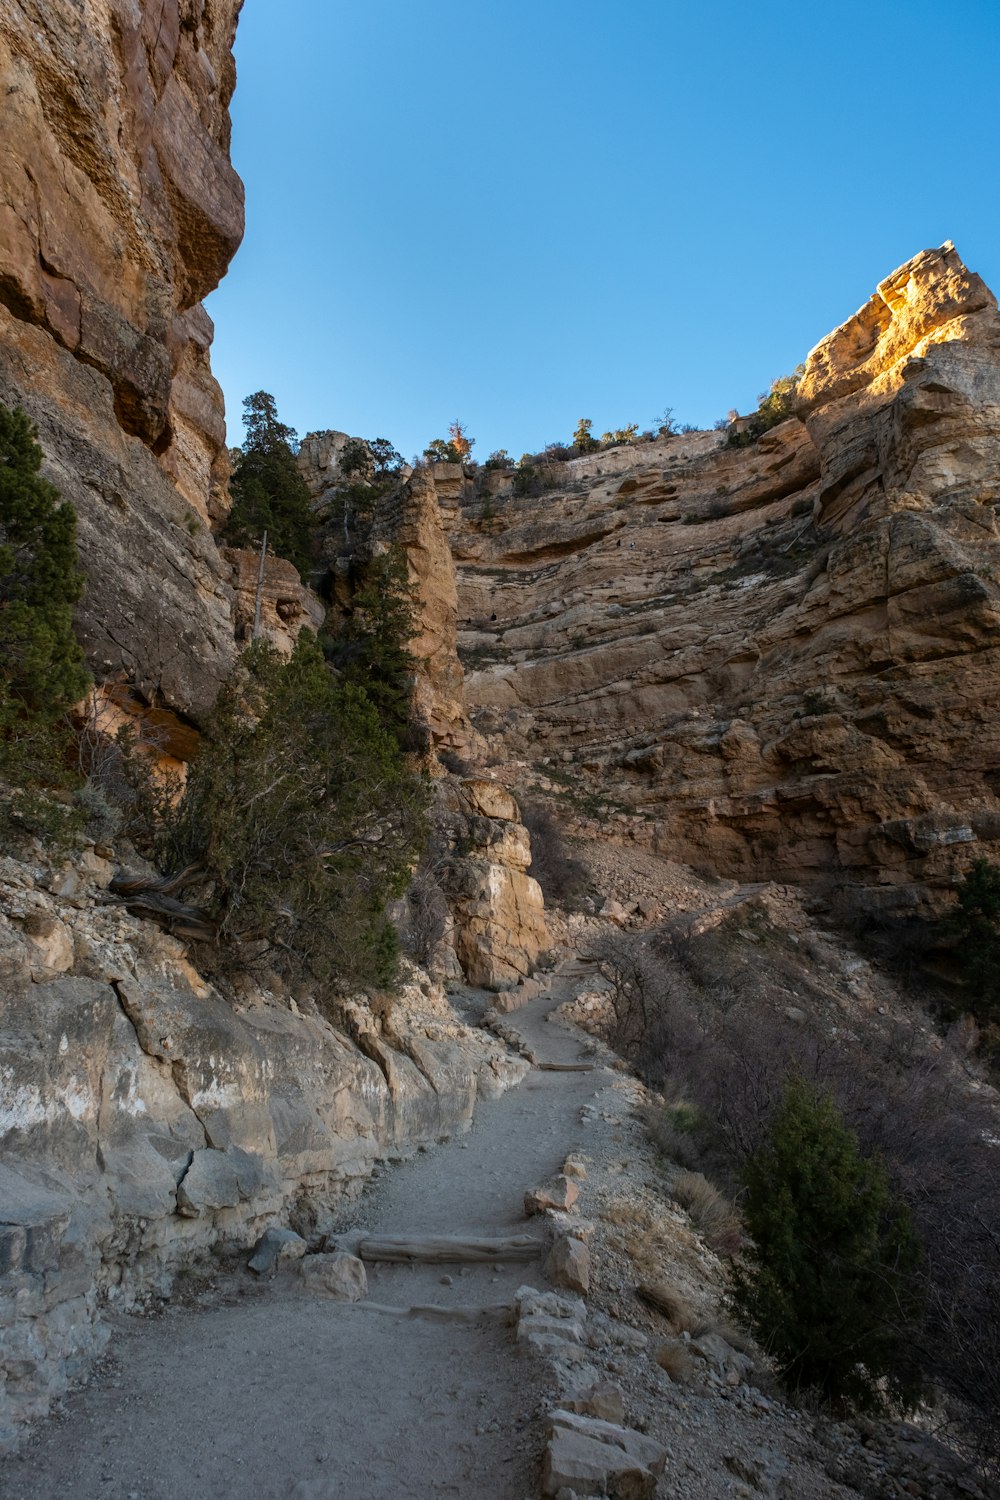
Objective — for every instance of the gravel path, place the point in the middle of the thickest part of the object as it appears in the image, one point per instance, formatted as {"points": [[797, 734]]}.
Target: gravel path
{"points": [[278, 1393]]}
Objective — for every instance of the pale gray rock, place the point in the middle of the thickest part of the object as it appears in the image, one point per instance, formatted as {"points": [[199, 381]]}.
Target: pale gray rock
{"points": [[275, 1246], [568, 1264], [593, 1457], [340, 1276]]}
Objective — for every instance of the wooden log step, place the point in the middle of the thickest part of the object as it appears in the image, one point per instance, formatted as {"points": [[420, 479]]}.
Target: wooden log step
{"points": [[554, 1067], [432, 1313], [447, 1249]]}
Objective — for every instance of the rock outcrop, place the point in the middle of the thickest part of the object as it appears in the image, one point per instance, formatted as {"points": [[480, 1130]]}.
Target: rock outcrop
{"points": [[776, 660], [497, 909], [119, 212], [146, 1122]]}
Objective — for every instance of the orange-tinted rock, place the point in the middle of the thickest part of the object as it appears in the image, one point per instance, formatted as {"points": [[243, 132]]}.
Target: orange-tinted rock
{"points": [[119, 212], [776, 661]]}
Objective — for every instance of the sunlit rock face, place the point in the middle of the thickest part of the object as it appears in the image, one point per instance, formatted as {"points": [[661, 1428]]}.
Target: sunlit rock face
{"points": [[119, 212], [778, 660]]}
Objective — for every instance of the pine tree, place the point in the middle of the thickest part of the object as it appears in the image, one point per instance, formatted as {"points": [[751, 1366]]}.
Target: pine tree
{"points": [[299, 822], [41, 663], [976, 923], [834, 1260], [268, 492], [372, 650]]}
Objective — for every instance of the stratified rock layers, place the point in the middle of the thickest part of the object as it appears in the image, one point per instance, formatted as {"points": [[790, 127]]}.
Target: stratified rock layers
{"points": [[781, 660], [119, 212]]}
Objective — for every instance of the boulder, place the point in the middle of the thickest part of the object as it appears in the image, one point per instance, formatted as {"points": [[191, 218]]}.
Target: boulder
{"points": [[274, 1247], [593, 1457], [340, 1276], [568, 1264], [560, 1193]]}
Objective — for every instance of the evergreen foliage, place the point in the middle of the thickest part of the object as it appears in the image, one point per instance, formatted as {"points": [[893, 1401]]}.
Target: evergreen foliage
{"points": [[834, 1258], [371, 652], [370, 470], [42, 673], [976, 922], [583, 437], [41, 663], [775, 406], [300, 821], [268, 492], [454, 449]]}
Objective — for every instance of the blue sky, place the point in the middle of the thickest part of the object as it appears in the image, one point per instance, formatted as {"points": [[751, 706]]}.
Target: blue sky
{"points": [[521, 213]]}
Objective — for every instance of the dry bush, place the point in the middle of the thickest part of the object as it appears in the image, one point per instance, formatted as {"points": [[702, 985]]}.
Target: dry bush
{"points": [[425, 916], [674, 1359], [688, 1033], [562, 877], [670, 1303], [670, 1128], [717, 1218]]}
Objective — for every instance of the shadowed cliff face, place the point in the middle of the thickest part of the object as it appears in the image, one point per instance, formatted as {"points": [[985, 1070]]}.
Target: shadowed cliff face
{"points": [[119, 212], [778, 660]]}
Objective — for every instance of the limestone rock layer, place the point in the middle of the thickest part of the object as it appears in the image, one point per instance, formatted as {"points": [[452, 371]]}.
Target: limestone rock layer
{"points": [[778, 660], [119, 212]]}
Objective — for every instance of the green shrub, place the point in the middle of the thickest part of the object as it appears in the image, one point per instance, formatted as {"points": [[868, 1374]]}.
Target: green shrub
{"points": [[299, 822], [834, 1261], [268, 492], [372, 650], [976, 923], [583, 438], [775, 406], [42, 673]]}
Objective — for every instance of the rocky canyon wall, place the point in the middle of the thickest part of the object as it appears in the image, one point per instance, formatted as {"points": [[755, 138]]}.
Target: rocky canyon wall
{"points": [[119, 212], [777, 660], [146, 1120]]}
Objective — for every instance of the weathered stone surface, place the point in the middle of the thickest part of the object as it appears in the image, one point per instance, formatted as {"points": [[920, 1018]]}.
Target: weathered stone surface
{"points": [[144, 1121], [774, 661], [568, 1264], [119, 212], [340, 1276], [600, 1458], [560, 1192], [274, 1247], [497, 909], [287, 607], [603, 1400]]}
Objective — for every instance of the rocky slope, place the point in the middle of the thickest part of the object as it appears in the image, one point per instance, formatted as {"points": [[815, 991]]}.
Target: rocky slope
{"points": [[776, 661]]}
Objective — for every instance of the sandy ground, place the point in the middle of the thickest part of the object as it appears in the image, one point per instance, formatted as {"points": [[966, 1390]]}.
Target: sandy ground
{"points": [[279, 1393]]}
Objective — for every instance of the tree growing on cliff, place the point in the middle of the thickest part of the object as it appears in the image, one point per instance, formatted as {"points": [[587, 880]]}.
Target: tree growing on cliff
{"points": [[775, 406], [299, 822], [835, 1258], [268, 492], [975, 921], [454, 449], [583, 438], [42, 673], [372, 650]]}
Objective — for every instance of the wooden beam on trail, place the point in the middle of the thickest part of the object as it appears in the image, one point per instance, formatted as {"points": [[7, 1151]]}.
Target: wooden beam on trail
{"points": [[553, 1067], [436, 1314], [447, 1249]]}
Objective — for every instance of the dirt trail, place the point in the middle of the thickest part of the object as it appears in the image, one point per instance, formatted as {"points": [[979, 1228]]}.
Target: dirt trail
{"points": [[285, 1394]]}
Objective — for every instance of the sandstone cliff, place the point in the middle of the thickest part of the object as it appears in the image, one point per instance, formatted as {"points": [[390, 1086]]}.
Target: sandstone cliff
{"points": [[119, 212], [775, 661]]}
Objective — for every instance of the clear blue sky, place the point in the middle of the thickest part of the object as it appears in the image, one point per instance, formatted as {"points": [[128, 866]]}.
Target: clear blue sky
{"points": [[521, 212]]}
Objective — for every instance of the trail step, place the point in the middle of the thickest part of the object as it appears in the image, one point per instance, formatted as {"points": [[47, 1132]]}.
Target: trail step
{"points": [[557, 1067], [441, 1249], [461, 1313]]}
